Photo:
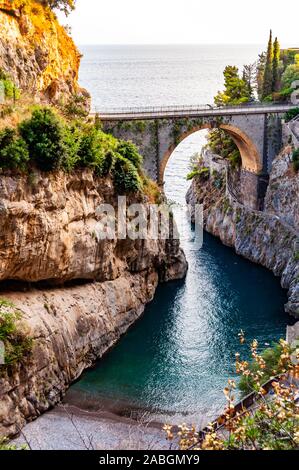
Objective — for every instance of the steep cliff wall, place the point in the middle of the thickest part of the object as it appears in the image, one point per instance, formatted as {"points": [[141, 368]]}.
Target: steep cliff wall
{"points": [[48, 225], [282, 198], [48, 231], [36, 51], [266, 238]]}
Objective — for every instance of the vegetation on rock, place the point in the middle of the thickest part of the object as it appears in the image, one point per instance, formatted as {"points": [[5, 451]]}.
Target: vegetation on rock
{"points": [[16, 340], [291, 114], [65, 5], [48, 142], [14, 153], [268, 79], [11, 91], [223, 145], [236, 89], [295, 159]]}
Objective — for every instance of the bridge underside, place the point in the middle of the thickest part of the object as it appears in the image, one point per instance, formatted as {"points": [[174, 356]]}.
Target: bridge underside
{"points": [[258, 138]]}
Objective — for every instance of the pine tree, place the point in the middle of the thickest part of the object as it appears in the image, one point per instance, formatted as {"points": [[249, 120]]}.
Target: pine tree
{"points": [[268, 75], [276, 62], [260, 72], [236, 90], [249, 77]]}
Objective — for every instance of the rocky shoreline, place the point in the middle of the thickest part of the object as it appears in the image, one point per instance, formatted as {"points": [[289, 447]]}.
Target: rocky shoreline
{"points": [[268, 238]]}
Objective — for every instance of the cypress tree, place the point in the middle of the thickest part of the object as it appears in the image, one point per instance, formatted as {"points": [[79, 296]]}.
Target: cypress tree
{"points": [[276, 60], [268, 75]]}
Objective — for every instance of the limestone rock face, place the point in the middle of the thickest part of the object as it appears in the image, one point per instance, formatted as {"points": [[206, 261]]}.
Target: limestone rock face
{"points": [[49, 234], [71, 327], [283, 194], [36, 51], [269, 238]]}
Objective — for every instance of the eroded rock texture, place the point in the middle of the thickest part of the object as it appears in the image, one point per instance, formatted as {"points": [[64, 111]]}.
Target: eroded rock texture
{"points": [[48, 233], [269, 238]]}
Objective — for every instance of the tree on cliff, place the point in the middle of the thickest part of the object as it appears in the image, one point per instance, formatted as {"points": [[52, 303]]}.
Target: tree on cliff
{"points": [[260, 72], [268, 74], [276, 66], [64, 5], [236, 89], [249, 77]]}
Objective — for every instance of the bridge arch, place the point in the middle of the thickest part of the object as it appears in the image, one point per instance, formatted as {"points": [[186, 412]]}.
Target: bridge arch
{"points": [[251, 158]]}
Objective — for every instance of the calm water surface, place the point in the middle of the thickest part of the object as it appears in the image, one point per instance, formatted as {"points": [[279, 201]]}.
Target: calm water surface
{"points": [[176, 360]]}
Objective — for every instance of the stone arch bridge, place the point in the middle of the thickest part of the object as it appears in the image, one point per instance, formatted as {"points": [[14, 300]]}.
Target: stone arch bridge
{"points": [[255, 128]]}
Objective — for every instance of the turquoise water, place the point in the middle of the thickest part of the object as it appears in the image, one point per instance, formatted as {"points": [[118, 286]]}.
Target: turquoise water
{"points": [[178, 357], [176, 360]]}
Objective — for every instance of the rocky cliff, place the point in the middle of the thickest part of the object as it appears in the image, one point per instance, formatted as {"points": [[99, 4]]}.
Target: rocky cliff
{"points": [[37, 52], [269, 238], [48, 225]]}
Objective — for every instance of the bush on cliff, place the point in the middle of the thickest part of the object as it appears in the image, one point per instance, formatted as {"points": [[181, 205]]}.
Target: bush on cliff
{"points": [[202, 172], [292, 113], [44, 134], [13, 150], [17, 342], [6, 445], [129, 151], [125, 176], [295, 158], [50, 143], [11, 91], [105, 164]]}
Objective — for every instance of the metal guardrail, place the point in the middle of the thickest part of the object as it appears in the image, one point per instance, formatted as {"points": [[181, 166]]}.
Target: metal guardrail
{"points": [[207, 109]]}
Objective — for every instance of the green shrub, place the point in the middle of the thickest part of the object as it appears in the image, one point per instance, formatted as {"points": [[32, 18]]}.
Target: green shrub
{"points": [[125, 176], [295, 159], [289, 115], [76, 107], [16, 342], [44, 134], [72, 137], [51, 144], [235, 159], [90, 147], [5, 445], [10, 90], [203, 173], [105, 164], [97, 122], [97, 150], [13, 150], [129, 151]]}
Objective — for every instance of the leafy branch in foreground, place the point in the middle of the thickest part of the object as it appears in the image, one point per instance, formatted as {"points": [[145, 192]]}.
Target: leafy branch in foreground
{"points": [[271, 422]]}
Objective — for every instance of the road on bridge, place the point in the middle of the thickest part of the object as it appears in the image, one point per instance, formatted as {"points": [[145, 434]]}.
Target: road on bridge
{"points": [[139, 113]]}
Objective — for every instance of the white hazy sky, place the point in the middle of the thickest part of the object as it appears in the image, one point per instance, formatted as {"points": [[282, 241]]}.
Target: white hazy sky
{"points": [[184, 21]]}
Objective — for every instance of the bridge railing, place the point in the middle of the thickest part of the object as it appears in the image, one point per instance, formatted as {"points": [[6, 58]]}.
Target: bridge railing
{"points": [[132, 110]]}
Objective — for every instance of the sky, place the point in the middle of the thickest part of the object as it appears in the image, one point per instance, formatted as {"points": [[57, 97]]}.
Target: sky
{"points": [[183, 21]]}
